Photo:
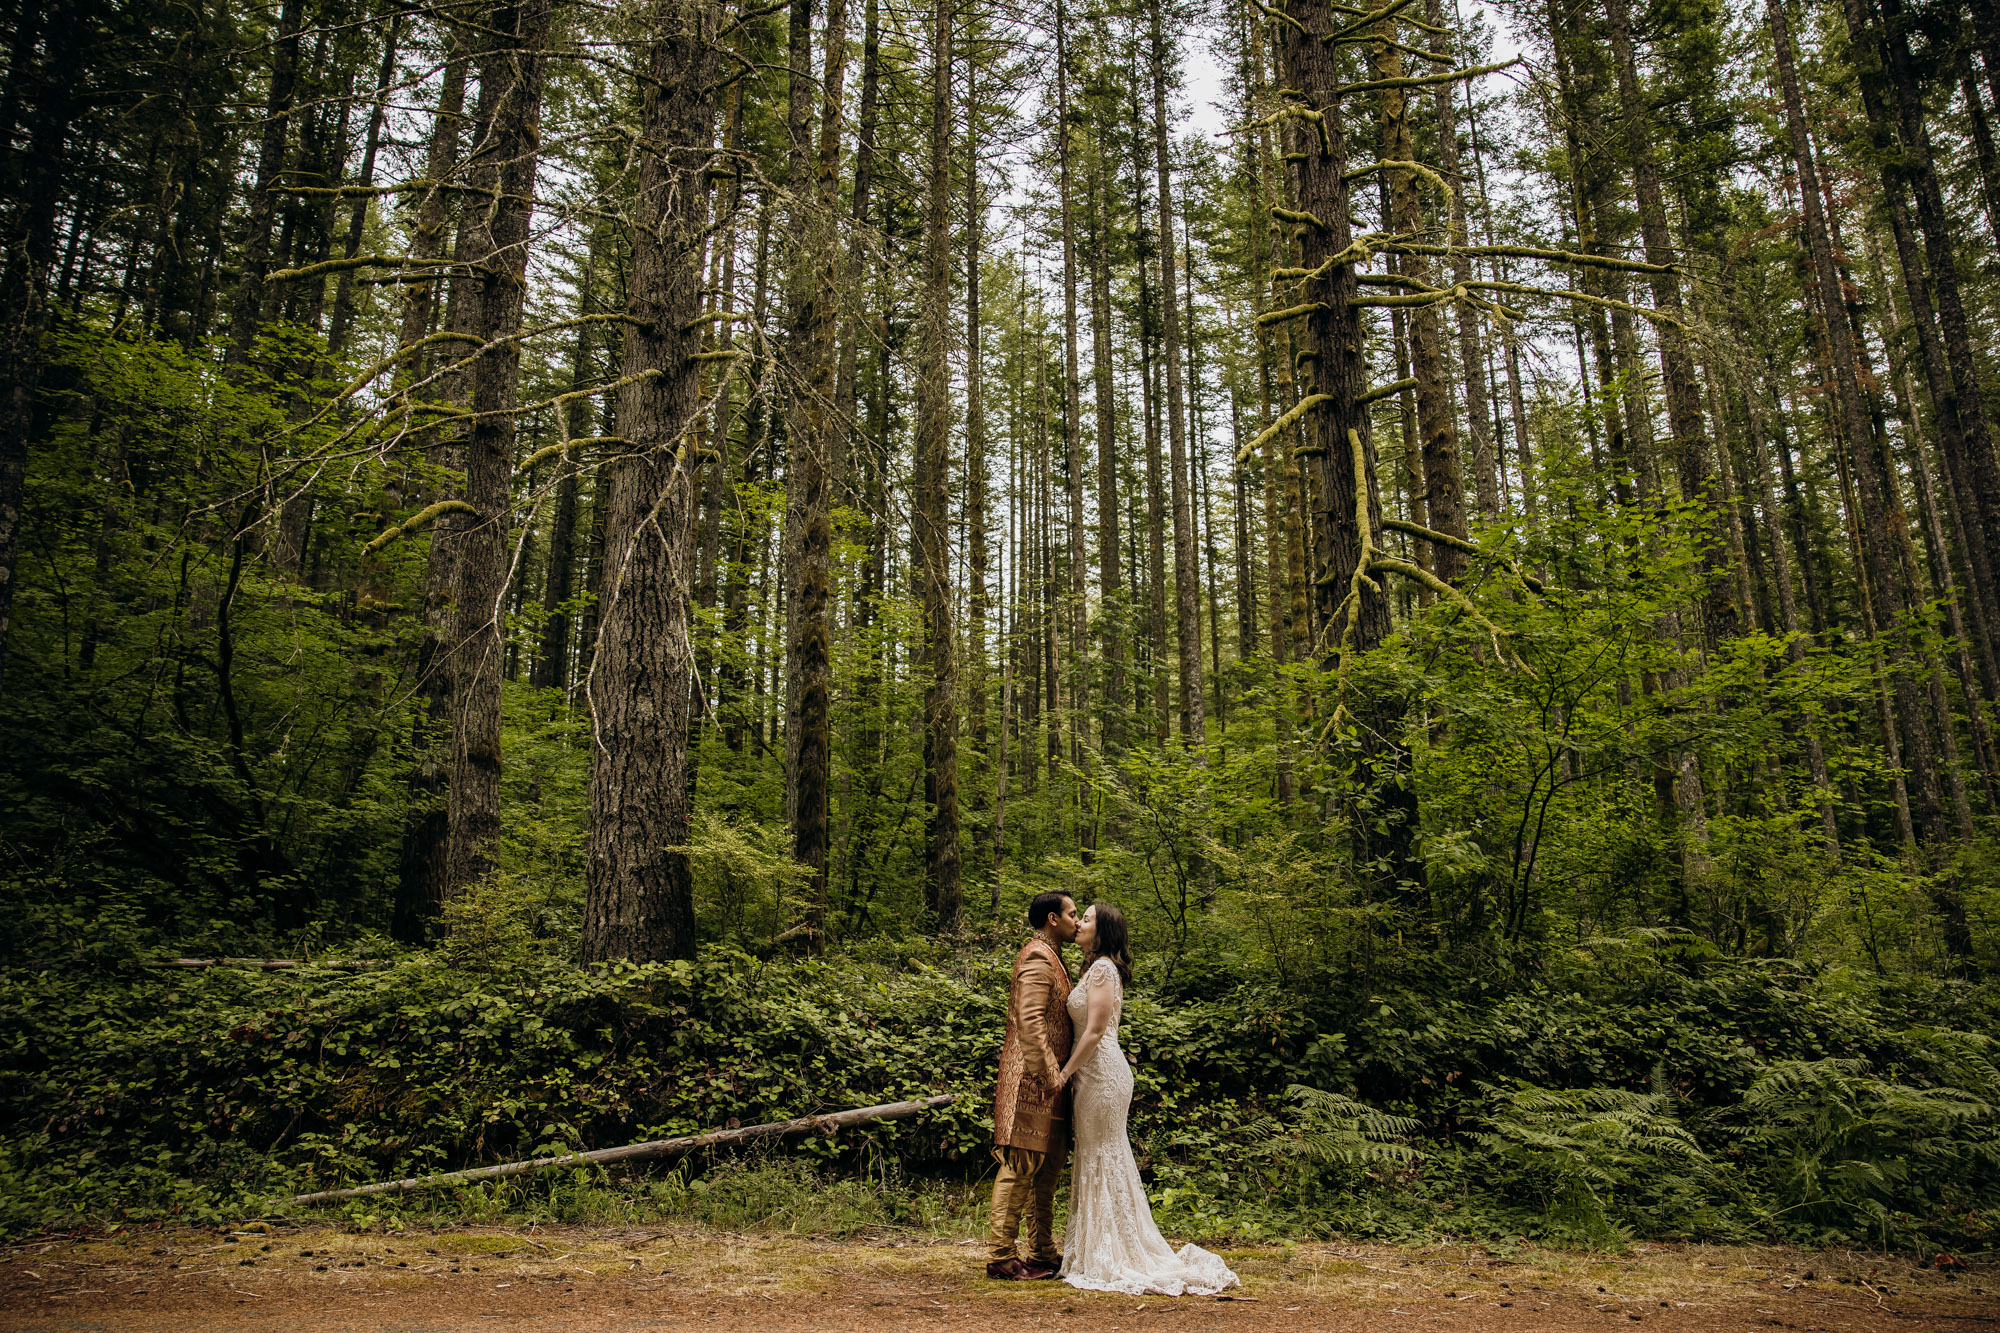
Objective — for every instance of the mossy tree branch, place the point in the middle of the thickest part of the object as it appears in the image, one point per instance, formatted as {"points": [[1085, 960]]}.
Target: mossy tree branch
{"points": [[1271, 432], [418, 521], [1427, 80], [1366, 21]]}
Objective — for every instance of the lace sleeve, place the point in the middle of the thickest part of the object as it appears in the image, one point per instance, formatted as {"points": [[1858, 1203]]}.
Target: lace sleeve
{"points": [[1104, 972]]}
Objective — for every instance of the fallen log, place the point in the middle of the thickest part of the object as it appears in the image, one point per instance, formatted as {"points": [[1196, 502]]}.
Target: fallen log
{"points": [[636, 1152], [273, 964]]}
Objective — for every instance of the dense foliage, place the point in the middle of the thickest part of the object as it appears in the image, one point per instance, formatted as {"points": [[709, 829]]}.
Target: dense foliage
{"points": [[1658, 1091]]}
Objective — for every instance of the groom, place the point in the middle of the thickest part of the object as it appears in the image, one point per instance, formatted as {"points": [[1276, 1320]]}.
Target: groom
{"points": [[1030, 1112]]}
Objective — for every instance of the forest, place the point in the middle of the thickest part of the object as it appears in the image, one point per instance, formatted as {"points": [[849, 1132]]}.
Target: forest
{"points": [[568, 568]]}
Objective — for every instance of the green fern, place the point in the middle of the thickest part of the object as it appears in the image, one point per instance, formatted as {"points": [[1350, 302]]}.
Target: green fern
{"points": [[1845, 1144], [1336, 1130], [1581, 1146]]}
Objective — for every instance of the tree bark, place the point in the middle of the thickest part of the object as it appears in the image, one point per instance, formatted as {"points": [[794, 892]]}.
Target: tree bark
{"points": [[1187, 573], [1444, 483], [1335, 434], [639, 900], [814, 297], [1072, 414], [1683, 393], [931, 516], [247, 313], [420, 886], [29, 255], [1877, 514], [504, 164], [1110, 577]]}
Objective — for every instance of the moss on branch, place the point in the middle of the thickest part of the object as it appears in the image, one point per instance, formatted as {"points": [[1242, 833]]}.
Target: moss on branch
{"points": [[418, 521]]}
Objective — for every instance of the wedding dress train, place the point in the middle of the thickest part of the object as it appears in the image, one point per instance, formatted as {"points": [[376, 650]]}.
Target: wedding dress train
{"points": [[1111, 1243]]}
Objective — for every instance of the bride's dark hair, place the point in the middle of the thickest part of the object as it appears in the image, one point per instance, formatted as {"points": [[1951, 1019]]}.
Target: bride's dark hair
{"points": [[1112, 940]]}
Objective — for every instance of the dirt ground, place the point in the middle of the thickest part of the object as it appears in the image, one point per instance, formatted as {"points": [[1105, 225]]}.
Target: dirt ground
{"points": [[610, 1281]]}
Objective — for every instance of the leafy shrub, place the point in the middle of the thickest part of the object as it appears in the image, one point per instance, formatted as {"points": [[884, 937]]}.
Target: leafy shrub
{"points": [[1869, 1155], [1582, 1148], [1693, 1098]]}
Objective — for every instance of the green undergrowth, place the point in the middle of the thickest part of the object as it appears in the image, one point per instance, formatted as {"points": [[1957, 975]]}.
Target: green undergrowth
{"points": [[1643, 1093]]}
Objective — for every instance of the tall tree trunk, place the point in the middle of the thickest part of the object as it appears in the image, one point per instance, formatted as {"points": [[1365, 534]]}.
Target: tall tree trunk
{"points": [[27, 254], [1471, 354], [931, 513], [1335, 433], [1187, 572], [639, 900], [247, 312], [420, 886], [504, 165], [1444, 483], [1074, 601], [1110, 577], [357, 216], [1877, 514], [1683, 392], [814, 298], [1156, 485], [975, 443], [1883, 57]]}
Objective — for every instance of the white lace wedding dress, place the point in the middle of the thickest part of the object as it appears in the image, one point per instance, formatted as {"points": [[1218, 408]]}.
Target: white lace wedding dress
{"points": [[1112, 1244]]}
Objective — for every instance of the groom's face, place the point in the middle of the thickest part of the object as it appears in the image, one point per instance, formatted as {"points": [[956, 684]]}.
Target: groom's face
{"points": [[1066, 924]]}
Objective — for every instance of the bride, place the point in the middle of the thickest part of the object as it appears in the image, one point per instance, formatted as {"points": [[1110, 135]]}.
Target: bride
{"points": [[1112, 1244]]}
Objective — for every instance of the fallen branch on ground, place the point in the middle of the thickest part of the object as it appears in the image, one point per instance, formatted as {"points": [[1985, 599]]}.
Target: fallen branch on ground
{"points": [[639, 1152], [273, 964]]}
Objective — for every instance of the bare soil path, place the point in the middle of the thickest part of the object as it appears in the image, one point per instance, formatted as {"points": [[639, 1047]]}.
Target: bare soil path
{"points": [[612, 1280]]}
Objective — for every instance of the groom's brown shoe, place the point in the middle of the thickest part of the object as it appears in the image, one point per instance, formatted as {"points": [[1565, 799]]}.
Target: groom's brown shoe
{"points": [[1013, 1270], [1039, 1269]]}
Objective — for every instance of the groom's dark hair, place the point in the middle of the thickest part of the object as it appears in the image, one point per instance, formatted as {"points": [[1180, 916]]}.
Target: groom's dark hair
{"points": [[1045, 906]]}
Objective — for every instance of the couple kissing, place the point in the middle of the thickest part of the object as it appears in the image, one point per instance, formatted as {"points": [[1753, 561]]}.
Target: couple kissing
{"points": [[1061, 1070]]}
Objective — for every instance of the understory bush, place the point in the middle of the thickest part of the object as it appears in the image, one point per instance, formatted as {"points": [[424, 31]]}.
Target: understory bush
{"points": [[1675, 1097]]}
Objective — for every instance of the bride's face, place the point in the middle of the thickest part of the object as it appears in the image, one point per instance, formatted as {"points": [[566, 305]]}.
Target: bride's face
{"points": [[1086, 930]]}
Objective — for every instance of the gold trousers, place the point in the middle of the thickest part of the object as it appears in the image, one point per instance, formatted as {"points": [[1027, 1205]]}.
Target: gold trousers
{"points": [[1027, 1185]]}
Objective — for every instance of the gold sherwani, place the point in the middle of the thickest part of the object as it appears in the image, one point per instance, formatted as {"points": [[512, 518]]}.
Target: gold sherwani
{"points": [[1026, 1114], [1030, 1129]]}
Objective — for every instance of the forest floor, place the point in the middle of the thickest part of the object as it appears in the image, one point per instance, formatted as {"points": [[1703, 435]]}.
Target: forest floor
{"points": [[609, 1280]]}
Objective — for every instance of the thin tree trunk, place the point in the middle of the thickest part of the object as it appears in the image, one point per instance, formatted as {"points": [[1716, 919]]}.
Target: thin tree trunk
{"points": [[1110, 578], [977, 603], [1471, 355], [816, 268], [1072, 418], [552, 662], [420, 890], [1187, 573], [1683, 393], [25, 264], [1444, 485], [1877, 515], [247, 312], [930, 516], [357, 217]]}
